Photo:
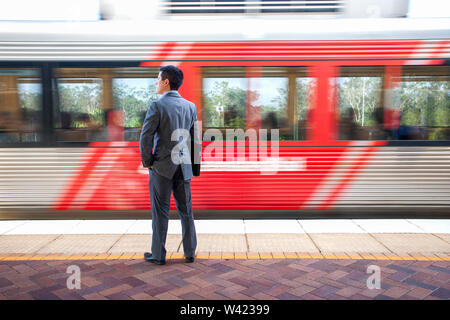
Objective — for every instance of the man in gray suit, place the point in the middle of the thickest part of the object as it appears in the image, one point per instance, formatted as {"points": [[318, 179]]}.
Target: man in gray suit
{"points": [[170, 126]]}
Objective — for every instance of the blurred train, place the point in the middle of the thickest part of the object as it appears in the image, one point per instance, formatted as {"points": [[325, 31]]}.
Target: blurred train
{"points": [[356, 113]]}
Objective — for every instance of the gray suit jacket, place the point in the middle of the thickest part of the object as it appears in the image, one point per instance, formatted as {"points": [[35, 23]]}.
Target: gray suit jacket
{"points": [[163, 144]]}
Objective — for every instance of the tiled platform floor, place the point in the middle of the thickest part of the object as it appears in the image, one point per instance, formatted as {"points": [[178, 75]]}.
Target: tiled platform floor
{"points": [[410, 239], [283, 279], [236, 259], [357, 246]]}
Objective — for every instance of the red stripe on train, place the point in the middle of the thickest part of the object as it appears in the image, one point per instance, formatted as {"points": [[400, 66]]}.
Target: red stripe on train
{"points": [[123, 185]]}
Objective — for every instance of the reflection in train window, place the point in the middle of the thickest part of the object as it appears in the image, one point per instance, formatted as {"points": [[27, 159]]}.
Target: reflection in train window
{"points": [[133, 89], [20, 105], [302, 121], [257, 98], [360, 91], [224, 98], [133, 96], [424, 104], [80, 116], [102, 104], [224, 102], [271, 95]]}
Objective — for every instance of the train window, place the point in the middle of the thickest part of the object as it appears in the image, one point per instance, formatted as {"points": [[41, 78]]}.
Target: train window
{"points": [[224, 102], [360, 90], [224, 98], [272, 97], [424, 104], [20, 105], [102, 104], [133, 90], [81, 117], [133, 96], [304, 88], [79, 112], [256, 98]]}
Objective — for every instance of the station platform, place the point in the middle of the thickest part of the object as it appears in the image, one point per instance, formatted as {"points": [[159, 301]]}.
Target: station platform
{"points": [[235, 260], [396, 239]]}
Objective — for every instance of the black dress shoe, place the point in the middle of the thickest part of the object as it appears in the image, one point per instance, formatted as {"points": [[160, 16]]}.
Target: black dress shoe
{"points": [[148, 257], [189, 259]]}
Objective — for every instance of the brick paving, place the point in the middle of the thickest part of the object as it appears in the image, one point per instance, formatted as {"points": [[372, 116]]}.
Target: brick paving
{"points": [[221, 279]]}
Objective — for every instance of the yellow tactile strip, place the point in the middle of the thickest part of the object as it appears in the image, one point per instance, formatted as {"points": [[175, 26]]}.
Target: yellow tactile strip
{"points": [[234, 256]]}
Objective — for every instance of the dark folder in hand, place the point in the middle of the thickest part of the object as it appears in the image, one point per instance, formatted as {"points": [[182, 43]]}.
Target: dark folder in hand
{"points": [[196, 157]]}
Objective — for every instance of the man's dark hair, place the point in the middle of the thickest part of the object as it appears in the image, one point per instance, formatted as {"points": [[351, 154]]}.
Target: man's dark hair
{"points": [[174, 74]]}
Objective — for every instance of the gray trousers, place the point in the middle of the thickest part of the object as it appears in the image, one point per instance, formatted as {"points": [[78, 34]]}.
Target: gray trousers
{"points": [[160, 191]]}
